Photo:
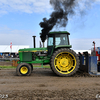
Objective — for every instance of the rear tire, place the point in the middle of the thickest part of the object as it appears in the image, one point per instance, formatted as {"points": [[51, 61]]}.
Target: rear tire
{"points": [[64, 62], [23, 69], [51, 68]]}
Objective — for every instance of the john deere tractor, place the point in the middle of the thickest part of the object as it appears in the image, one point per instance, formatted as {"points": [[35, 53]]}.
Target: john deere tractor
{"points": [[63, 61]]}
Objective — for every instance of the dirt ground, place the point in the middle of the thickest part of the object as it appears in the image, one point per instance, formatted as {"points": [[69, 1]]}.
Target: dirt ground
{"points": [[43, 84]]}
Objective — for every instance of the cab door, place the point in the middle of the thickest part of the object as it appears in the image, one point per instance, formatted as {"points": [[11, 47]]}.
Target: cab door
{"points": [[50, 45]]}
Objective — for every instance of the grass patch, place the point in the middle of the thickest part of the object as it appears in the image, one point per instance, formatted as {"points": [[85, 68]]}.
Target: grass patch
{"points": [[7, 67], [13, 67]]}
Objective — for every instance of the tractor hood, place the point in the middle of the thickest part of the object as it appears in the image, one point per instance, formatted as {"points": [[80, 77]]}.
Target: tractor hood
{"points": [[32, 49]]}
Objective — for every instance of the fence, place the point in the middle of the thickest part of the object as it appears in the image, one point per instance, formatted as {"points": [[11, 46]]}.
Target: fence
{"points": [[9, 61]]}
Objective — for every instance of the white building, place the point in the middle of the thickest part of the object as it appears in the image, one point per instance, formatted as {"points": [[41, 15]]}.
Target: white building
{"points": [[15, 48]]}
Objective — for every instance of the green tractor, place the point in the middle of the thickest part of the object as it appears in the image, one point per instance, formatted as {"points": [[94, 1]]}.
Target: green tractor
{"points": [[63, 61]]}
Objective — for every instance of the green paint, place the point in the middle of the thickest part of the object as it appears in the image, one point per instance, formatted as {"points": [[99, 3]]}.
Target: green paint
{"points": [[37, 61], [30, 55], [42, 65], [66, 46], [32, 49]]}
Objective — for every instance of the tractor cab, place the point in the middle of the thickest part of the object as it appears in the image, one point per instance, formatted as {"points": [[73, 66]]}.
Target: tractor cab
{"points": [[57, 40]]}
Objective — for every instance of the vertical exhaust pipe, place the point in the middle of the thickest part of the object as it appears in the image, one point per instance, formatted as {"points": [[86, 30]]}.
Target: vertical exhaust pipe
{"points": [[34, 41]]}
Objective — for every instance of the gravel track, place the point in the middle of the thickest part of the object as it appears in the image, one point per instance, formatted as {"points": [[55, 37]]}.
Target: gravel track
{"points": [[43, 84]]}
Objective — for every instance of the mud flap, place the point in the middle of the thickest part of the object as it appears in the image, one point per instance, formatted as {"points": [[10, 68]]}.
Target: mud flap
{"points": [[92, 64], [93, 68]]}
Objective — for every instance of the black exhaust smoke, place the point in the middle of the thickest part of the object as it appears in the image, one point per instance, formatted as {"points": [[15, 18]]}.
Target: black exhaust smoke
{"points": [[59, 17], [62, 10]]}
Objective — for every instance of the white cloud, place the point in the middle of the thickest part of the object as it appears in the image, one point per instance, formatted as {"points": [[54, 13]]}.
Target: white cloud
{"points": [[97, 0], [27, 6], [38, 6], [86, 4], [17, 37]]}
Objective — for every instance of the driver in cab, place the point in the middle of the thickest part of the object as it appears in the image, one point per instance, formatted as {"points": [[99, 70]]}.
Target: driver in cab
{"points": [[62, 41]]}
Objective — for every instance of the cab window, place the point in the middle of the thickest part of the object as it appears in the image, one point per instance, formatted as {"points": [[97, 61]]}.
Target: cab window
{"points": [[50, 41], [61, 39]]}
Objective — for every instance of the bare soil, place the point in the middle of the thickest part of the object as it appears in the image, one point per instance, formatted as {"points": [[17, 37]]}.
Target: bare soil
{"points": [[5, 63], [43, 84]]}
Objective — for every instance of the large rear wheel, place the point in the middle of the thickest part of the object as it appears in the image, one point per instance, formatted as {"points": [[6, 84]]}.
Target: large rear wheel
{"points": [[65, 62]]}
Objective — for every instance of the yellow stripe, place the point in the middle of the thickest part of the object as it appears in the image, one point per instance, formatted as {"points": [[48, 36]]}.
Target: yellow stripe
{"points": [[33, 51]]}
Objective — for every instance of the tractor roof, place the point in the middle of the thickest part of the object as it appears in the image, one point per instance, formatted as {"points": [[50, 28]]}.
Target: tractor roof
{"points": [[59, 32]]}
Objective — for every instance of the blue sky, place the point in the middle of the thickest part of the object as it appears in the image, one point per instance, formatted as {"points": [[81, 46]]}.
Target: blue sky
{"points": [[19, 21]]}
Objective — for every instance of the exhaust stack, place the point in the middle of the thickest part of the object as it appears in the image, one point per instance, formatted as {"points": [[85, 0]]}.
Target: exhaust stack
{"points": [[34, 41]]}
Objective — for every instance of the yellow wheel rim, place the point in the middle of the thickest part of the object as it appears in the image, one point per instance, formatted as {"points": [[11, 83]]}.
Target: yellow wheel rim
{"points": [[24, 70], [65, 62]]}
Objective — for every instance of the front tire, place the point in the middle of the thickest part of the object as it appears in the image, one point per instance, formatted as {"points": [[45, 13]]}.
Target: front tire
{"points": [[23, 69], [31, 67], [65, 62]]}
